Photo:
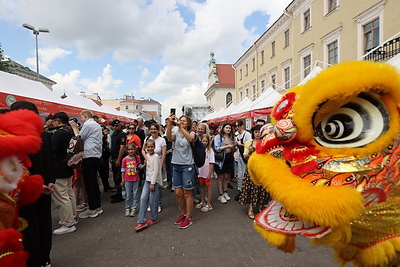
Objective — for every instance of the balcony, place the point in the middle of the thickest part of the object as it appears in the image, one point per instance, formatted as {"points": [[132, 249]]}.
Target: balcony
{"points": [[383, 52]]}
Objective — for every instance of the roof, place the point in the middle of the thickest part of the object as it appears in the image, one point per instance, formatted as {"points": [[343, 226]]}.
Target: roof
{"points": [[143, 101], [226, 74], [151, 112], [15, 68]]}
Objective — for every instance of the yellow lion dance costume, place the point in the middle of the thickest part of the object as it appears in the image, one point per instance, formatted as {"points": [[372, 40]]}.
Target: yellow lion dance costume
{"points": [[330, 161]]}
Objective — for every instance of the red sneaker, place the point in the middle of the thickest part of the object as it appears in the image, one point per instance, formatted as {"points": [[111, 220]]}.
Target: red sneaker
{"points": [[140, 226], [150, 222], [180, 219], [186, 223]]}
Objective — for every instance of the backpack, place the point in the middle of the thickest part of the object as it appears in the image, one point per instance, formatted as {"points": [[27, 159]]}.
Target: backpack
{"points": [[241, 148], [199, 152], [74, 151]]}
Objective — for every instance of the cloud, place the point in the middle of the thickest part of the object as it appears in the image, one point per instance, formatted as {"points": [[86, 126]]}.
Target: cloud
{"points": [[169, 39]]}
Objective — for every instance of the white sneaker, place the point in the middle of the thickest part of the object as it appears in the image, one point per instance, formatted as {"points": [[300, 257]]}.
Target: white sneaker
{"points": [[64, 230], [127, 212], [159, 209], [148, 208], [226, 196], [99, 211], [222, 199], [75, 222], [88, 214], [132, 214]]}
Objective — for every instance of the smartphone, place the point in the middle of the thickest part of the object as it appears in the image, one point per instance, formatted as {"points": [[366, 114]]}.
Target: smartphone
{"points": [[173, 110]]}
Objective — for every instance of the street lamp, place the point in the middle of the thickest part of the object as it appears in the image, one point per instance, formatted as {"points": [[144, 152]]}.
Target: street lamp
{"points": [[36, 32]]}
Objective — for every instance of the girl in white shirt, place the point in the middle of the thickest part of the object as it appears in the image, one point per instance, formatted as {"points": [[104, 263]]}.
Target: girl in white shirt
{"points": [[205, 174]]}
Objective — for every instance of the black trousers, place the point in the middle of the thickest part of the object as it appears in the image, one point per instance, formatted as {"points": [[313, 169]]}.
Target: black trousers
{"points": [[104, 172], [38, 235], [116, 170], [89, 171]]}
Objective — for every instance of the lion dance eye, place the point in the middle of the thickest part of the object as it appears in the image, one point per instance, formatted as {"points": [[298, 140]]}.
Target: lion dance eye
{"points": [[355, 124]]}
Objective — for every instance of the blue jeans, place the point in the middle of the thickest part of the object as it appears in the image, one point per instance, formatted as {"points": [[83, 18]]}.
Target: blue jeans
{"points": [[183, 176], [132, 189], [144, 201]]}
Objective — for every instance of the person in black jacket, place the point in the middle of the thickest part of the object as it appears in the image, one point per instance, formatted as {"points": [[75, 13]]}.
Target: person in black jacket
{"points": [[38, 234], [64, 197]]}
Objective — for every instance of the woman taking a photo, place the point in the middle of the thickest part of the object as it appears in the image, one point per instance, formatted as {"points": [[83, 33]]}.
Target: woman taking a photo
{"points": [[183, 166], [224, 142]]}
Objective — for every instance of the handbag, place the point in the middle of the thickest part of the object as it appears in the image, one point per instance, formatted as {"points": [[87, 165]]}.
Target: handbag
{"points": [[218, 155]]}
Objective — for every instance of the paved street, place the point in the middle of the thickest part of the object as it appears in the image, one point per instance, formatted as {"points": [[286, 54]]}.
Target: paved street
{"points": [[221, 237]]}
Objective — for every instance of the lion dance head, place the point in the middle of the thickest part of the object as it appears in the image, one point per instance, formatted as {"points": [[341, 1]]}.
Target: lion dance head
{"points": [[330, 161]]}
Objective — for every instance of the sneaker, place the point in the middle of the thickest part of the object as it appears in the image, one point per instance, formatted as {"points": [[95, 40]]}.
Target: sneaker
{"points": [[148, 209], [88, 214], [159, 209], [132, 214], [226, 196], [127, 212], [140, 226], [195, 200], [151, 222], [186, 223], [180, 219], [206, 208], [75, 222], [81, 207], [200, 205], [222, 199], [64, 230], [99, 211], [230, 186]]}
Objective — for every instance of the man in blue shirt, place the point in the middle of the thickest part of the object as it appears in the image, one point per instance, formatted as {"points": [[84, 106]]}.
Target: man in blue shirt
{"points": [[92, 135]]}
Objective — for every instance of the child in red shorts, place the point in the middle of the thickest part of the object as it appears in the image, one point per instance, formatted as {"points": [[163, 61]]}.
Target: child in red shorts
{"points": [[205, 174]]}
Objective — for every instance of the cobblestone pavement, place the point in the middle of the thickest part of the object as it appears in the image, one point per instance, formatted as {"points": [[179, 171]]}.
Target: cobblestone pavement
{"points": [[221, 237]]}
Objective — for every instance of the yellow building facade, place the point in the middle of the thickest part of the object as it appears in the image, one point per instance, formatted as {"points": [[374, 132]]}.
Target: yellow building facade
{"points": [[314, 33]]}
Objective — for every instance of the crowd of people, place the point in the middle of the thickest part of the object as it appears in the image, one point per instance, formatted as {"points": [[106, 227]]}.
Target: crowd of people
{"points": [[144, 158]]}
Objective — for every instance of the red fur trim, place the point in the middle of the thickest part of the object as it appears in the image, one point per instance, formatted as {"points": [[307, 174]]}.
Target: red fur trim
{"points": [[26, 127], [283, 111], [298, 152], [11, 242], [31, 189], [264, 144], [304, 168]]}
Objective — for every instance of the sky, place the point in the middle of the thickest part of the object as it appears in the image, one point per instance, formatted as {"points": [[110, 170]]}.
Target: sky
{"points": [[158, 49]]}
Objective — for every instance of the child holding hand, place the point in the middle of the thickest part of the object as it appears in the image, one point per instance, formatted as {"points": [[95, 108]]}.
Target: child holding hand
{"points": [[150, 191], [205, 174]]}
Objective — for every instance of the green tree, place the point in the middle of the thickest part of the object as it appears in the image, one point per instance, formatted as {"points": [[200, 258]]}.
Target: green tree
{"points": [[3, 62]]}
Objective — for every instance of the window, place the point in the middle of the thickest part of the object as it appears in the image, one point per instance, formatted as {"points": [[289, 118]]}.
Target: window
{"points": [[247, 69], [273, 49], [371, 35], [262, 57], [306, 20], [332, 4], [273, 81], [228, 99], [241, 95], [333, 53], [307, 65], [331, 46], [137, 107], [287, 77], [247, 91], [254, 64], [241, 76], [126, 107], [254, 92], [262, 85], [286, 38]]}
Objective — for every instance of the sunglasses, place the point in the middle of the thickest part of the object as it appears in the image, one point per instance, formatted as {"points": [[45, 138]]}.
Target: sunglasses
{"points": [[131, 128]]}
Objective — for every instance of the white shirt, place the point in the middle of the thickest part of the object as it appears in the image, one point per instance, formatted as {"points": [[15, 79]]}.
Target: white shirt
{"points": [[92, 136]]}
